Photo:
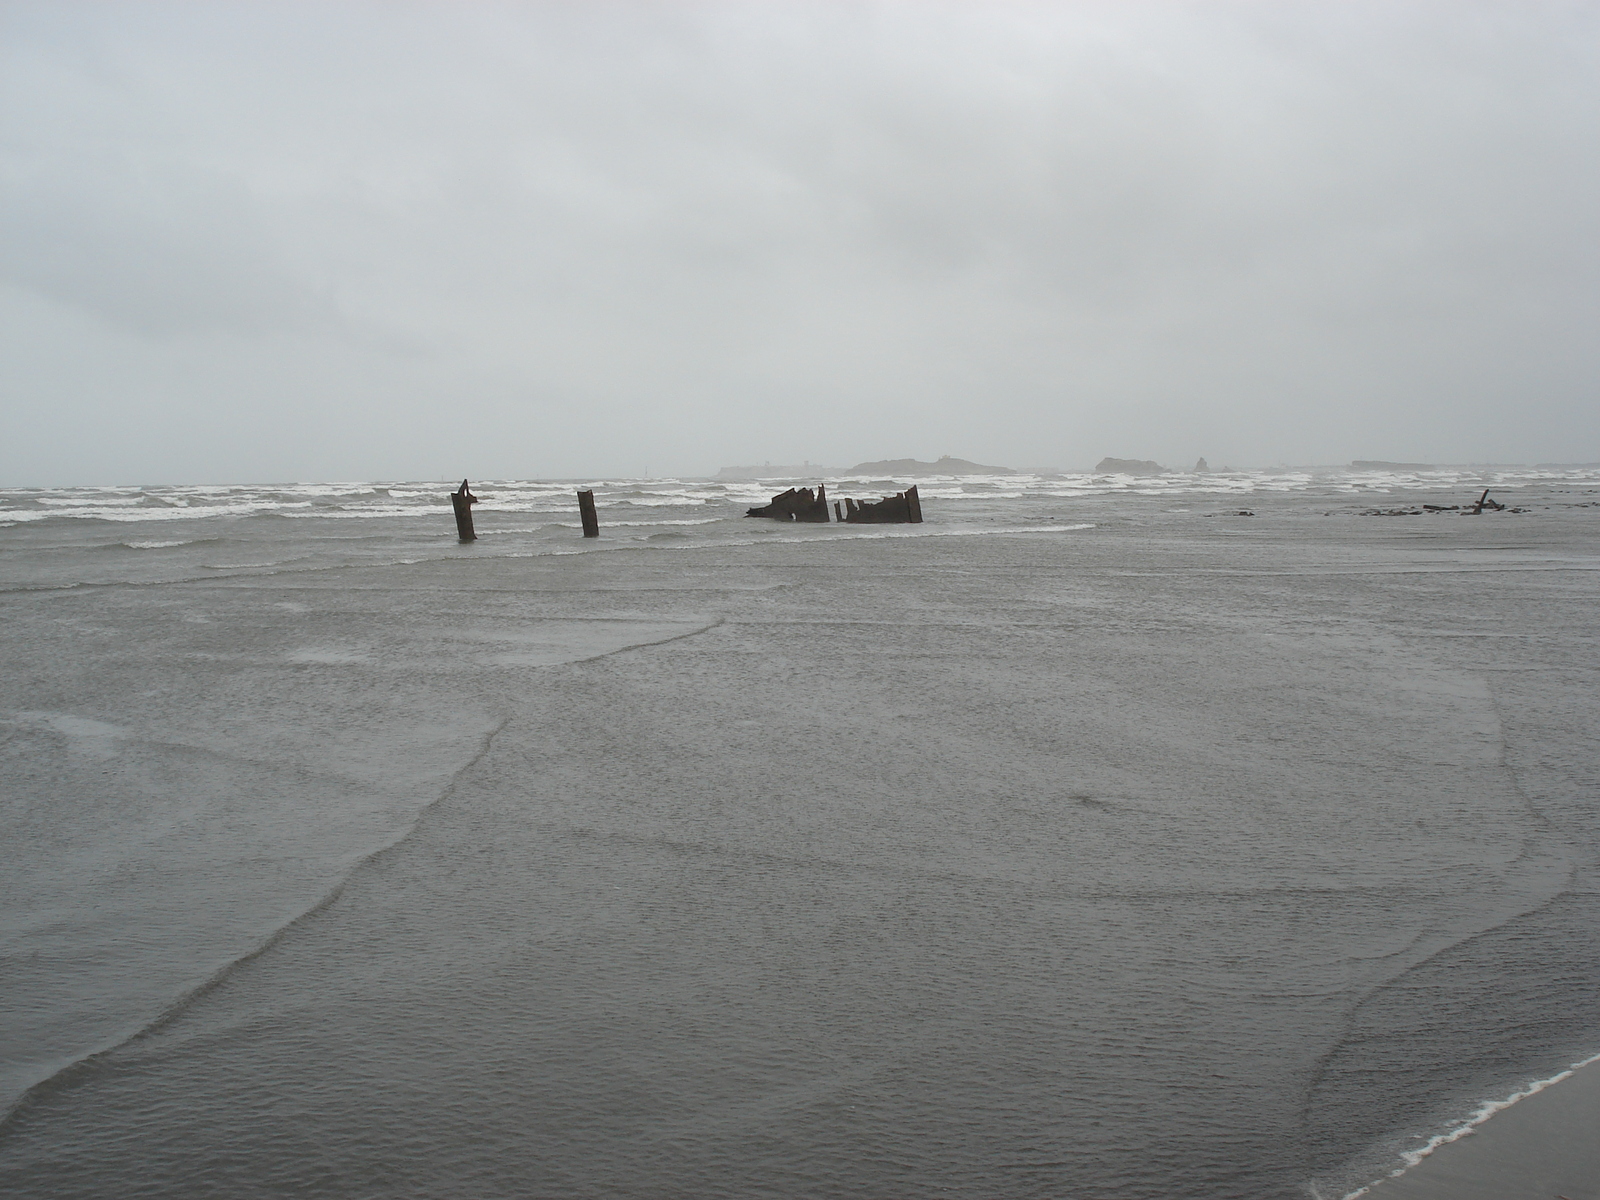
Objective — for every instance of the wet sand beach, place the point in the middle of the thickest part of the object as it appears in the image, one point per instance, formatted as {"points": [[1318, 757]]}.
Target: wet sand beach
{"points": [[1101, 846], [1545, 1145]]}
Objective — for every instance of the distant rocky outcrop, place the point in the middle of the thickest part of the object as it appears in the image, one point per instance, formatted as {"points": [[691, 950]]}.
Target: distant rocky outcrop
{"points": [[1378, 464], [887, 468], [1200, 467], [1129, 466], [946, 465]]}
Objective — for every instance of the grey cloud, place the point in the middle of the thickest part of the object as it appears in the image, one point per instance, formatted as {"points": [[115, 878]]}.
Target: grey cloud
{"points": [[1020, 232], [157, 251]]}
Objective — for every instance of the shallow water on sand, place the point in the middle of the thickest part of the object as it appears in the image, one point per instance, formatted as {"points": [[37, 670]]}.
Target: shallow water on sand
{"points": [[1101, 844]]}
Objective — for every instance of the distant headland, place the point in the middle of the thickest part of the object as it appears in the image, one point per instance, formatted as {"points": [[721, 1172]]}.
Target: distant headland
{"points": [[888, 467], [910, 466]]}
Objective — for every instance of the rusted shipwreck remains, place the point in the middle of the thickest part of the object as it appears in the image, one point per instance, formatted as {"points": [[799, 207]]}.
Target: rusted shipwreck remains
{"points": [[902, 508], [797, 504], [802, 504]]}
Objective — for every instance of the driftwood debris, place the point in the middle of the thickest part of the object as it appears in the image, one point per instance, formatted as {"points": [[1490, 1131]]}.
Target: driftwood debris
{"points": [[586, 513], [796, 504], [1473, 509], [902, 508], [462, 501]]}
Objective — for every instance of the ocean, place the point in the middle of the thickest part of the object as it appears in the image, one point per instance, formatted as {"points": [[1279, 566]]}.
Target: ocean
{"points": [[1210, 836]]}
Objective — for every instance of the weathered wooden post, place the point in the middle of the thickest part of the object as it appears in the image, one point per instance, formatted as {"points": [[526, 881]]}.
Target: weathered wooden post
{"points": [[913, 505], [591, 522], [462, 501]]}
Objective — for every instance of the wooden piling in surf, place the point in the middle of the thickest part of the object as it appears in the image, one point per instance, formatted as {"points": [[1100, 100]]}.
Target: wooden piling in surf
{"points": [[462, 501], [591, 522]]}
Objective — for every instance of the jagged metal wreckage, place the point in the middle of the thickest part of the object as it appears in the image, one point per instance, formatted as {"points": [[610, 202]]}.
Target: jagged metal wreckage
{"points": [[801, 504]]}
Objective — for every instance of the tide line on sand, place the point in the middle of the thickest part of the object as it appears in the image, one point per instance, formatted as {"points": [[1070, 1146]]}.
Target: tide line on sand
{"points": [[1533, 1151]]}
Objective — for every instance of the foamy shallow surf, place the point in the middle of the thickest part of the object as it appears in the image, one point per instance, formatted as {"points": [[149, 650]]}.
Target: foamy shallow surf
{"points": [[389, 499], [374, 523]]}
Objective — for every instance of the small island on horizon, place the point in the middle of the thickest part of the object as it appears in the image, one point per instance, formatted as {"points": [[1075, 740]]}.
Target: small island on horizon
{"points": [[946, 465]]}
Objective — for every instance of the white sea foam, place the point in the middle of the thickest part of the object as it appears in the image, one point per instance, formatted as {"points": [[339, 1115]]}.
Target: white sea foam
{"points": [[658, 524], [101, 513], [377, 500], [390, 510], [1482, 1113], [74, 501], [415, 508]]}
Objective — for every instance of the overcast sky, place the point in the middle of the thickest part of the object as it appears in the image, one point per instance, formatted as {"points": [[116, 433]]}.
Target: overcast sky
{"points": [[292, 241]]}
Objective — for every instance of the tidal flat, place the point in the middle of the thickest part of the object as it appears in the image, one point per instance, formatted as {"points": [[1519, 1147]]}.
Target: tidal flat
{"points": [[1227, 840]]}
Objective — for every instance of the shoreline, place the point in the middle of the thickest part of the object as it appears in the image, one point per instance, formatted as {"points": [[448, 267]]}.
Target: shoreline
{"points": [[972, 865], [1537, 1143]]}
